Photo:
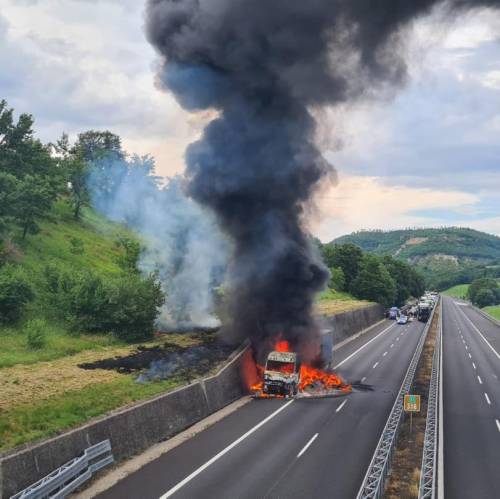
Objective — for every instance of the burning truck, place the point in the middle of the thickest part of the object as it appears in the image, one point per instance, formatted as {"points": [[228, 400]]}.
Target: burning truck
{"points": [[284, 375], [281, 375]]}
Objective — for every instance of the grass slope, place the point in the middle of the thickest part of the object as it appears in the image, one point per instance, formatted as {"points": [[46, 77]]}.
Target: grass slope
{"points": [[458, 291], [493, 311]]}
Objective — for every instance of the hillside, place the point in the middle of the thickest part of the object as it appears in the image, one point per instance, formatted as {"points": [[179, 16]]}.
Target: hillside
{"points": [[446, 256]]}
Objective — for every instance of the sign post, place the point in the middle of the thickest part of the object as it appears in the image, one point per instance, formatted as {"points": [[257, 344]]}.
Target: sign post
{"points": [[411, 405]]}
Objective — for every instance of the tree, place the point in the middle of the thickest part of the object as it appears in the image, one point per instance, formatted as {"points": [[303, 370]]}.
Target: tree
{"points": [[374, 282], [15, 293], [337, 279], [484, 290], [485, 297], [129, 258], [345, 256], [32, 200], [8, 185], [408, 281], [94, 145]]}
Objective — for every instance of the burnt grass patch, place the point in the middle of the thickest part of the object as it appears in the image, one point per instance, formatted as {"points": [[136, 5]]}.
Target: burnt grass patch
{"points": [[161, 361]]}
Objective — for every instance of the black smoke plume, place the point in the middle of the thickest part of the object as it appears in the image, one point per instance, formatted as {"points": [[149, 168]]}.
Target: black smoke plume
{"points": [[264, 66]]}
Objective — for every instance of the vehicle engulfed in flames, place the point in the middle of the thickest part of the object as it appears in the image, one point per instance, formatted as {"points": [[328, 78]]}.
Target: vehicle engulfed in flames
{"points": [[281, 375]]}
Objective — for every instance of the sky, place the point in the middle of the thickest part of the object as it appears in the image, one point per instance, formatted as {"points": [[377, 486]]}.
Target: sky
{"points": [[428, 156]]}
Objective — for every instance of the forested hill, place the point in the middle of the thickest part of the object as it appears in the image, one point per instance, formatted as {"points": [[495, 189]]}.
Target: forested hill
{"points": [[445, 256], [416, 244]]}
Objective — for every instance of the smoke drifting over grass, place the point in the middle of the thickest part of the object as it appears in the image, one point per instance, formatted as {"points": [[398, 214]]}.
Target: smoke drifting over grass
{"points": [[180, 241], [265, 66]]}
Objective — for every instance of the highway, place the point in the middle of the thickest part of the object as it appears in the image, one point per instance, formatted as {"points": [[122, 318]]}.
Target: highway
{"points": [[471, 400], [278, 448]]}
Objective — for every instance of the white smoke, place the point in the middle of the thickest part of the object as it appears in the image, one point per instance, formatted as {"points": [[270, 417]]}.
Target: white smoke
{"points": [[180, 242]]}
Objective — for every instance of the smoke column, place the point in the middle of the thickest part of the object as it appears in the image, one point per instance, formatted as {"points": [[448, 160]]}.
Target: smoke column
{"points": [[265, 66], [180, 241]]}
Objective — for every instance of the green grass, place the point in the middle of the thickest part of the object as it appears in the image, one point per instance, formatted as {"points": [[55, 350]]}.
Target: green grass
{"points": [[99, 252], [332, 294], [26, 423], [59, 344], [493, 311], [459, 291]]}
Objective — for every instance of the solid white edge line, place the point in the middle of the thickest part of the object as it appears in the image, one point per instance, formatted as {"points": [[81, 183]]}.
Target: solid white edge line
{"points": [[339, 408], [480, 334], [307, 445], [487, 398], [440, 477], [480, 380], [362, 346], [498, 424], [196, 472]]}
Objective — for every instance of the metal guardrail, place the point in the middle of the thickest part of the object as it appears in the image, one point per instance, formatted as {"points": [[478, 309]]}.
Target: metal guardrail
{"points": [[67, 478], [374, 481], [427, 488]]}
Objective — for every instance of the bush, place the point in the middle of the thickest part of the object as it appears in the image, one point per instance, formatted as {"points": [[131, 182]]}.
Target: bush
{"points": [[337, 279], [36, 332], [15, 293], [126, 306], [134, 304]]}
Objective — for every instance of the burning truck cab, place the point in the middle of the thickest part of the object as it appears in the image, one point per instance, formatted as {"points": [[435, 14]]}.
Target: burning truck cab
{"points": [[281, 374]]}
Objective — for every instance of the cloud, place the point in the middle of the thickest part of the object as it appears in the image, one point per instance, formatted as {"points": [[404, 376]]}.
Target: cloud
{"points": [[362, 202], [85, 65]]}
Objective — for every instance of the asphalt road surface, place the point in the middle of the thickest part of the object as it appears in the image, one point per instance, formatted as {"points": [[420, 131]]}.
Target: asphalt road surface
{"points": [[278, 448], [471, 398]]}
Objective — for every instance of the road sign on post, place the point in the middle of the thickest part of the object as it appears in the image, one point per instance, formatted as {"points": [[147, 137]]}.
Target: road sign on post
{"points": [[412, 403]]}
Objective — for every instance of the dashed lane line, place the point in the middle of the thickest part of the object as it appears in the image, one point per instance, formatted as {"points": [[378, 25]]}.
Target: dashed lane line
{"points": [[487, 398], [307, 445], [339, 408]]}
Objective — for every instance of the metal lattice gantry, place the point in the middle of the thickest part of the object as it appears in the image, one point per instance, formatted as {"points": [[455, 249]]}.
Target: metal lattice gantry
{"points": [[69, 476], [428, 474], [374, 481]]}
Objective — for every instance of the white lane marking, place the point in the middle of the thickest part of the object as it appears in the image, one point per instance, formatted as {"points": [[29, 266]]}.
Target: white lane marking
{"points": [[474, 365], [480, 380], [195, 473], [466, 347], [362, 346], [397, 339], [440, 478], [498, 424], [375, 365], [307, 445], [385, 353], [339, 408], [480, 334], [463, 341], [470, 356], [363, 379], [487, 398], [392, 346]]}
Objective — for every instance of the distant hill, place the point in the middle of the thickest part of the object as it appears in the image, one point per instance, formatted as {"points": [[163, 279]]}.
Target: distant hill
{"points": [[446, 256]]}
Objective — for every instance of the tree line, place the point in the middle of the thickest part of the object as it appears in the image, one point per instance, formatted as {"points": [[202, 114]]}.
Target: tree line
{"points": [[385, 280], [484, 292], [33, 176]]}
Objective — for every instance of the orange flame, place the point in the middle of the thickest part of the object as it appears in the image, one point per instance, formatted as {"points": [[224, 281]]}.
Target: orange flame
{"points": [[309, 376]]}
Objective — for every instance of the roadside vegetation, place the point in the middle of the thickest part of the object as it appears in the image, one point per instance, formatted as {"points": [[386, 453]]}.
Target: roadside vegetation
{"points": [[484, 292], [493, 311], [372, 278], [458, 291]]}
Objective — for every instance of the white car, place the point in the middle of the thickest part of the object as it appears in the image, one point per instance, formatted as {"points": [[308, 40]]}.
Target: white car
{"points": [[402, 319]]}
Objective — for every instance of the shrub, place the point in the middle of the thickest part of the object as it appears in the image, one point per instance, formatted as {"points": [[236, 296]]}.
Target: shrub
{"points": [[36, 333], [133, 307], [15, 293]]}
